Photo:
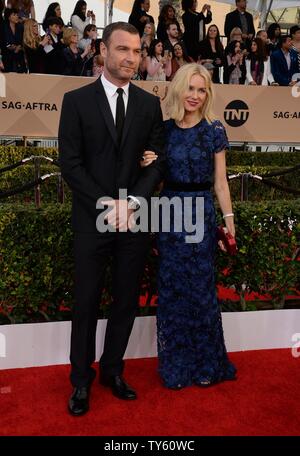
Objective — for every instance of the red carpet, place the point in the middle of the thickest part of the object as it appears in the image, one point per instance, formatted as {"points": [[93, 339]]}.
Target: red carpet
{"points": [[265, 400]]}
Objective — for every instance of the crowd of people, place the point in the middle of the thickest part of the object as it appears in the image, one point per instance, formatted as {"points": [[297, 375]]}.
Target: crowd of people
{"points": [[265, 57], [65, 49]]}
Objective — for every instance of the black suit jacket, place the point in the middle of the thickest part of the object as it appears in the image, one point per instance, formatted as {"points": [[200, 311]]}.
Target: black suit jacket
{"points": [[233, 20], [91, 161]]}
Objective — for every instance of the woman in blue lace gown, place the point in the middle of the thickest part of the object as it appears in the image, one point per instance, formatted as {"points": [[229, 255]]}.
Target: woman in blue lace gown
{"points": [[191, 346]]}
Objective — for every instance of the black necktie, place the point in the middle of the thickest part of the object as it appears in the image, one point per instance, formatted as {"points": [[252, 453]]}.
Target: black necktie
{"points": [[120, 114]]}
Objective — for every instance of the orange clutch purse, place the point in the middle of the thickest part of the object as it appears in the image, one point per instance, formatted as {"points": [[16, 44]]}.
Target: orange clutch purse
{"points": [[228, 240]]}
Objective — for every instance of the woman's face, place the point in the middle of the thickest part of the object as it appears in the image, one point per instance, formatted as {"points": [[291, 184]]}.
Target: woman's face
{"points": [[237, 36], [58, 11], [92, 34], [253, 47], [146, 5], [178, 51], [83, 9], [14, 18], [195, 97], [158, 49], [35, 29], [212, 33], [170, 13], [195, 4], [148, 29], [74, 38], [237, 48], [277, 32]]}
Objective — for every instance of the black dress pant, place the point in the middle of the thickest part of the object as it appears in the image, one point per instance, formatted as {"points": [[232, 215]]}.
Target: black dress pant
{"points": [[92, 252]]}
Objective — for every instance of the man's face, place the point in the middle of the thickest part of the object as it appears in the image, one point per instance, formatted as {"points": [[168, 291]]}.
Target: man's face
{"points": [[287, 44], [55, 29], [242, 4], [263, 36], [296, 35], [122, 55], [173, 31]]}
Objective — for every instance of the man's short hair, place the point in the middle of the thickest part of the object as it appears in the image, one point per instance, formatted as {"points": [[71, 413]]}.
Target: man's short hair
{"points": [[171, 23], [294, 29], [9, 11], [54, 21], [283, 39], [124, 26]]}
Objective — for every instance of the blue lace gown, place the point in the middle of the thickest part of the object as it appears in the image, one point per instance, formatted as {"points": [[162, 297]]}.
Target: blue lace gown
{"points": [[191, 346]]}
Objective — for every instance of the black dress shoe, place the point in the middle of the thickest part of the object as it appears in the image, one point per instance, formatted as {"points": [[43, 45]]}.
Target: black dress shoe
{"points": [[79, 401], [119, 388]]}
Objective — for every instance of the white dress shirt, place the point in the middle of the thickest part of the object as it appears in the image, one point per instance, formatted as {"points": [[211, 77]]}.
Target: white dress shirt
{"points": [[112, 95], [287, 56]]}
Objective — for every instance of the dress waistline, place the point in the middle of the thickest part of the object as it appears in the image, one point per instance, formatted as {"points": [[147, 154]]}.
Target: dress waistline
{"points": [[187, 186]]}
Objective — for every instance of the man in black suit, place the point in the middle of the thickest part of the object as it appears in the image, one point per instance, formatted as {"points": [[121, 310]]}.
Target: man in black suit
{"points": [[105, 127], [242, 19]]}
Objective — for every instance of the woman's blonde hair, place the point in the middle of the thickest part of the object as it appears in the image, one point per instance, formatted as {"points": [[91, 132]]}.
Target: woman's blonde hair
{"points": [[235, 31], [67, 34], [30, 39], [152, 28], [180, 84]]}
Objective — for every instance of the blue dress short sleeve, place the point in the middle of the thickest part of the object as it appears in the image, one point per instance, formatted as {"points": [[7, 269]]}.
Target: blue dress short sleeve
{"points": [[220, 141], [191, 346]]}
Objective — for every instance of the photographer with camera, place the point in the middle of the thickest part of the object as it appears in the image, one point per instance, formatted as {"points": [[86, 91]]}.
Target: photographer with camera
{"points": [[194, 26], [139, 16], [82, 17]]}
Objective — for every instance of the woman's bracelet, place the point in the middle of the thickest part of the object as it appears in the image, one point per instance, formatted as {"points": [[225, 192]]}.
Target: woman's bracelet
{"points": [[228, 215]]}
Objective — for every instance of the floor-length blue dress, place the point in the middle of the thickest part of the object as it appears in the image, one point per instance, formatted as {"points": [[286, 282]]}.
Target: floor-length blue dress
{"points": [[191, 346]]}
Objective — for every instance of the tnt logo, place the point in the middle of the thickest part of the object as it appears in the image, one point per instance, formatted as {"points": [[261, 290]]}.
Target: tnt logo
{"points": [[2, 346], [2, 85], [236, 113]]}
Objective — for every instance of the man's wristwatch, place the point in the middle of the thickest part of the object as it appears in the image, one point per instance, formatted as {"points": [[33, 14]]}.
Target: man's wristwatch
{"points": [[132, 203]]}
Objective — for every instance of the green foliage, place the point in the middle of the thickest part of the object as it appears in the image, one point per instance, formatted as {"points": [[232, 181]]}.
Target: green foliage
{"points": [[256, 162], [26, 174], [268, 237], [276, 159], [36, 260], [36, 264], [13, 154], [257, 191]]}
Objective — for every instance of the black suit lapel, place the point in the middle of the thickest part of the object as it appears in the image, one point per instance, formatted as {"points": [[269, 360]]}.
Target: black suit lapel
{"points": [[132, 108], [103, 104]]}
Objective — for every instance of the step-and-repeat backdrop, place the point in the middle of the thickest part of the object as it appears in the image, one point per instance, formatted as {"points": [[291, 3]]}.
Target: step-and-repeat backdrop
{"points": [[30, 106]]}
